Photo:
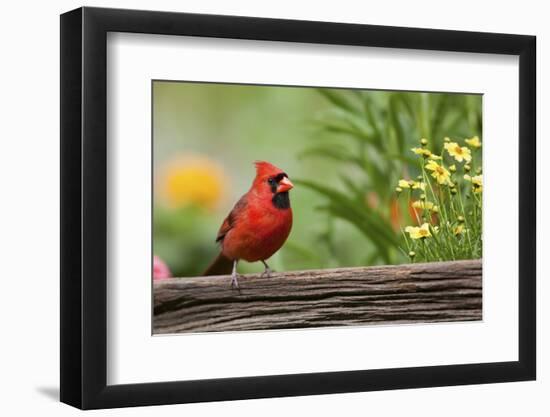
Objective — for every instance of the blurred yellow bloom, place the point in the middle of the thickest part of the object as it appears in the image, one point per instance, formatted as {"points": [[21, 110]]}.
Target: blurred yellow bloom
{"points": [[425, 205], [191, 180], [460, 153], [439, 172], [418, 232], [477, 182], [403, 184], [415, 185], [473, 142], [419, 185]]}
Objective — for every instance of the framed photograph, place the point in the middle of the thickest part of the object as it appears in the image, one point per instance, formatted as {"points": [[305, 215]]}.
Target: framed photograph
{"points": [[257, 208]]}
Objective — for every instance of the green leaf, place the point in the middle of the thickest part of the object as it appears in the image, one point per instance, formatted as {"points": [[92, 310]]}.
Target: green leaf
{"points": [[395, 123], [331, 151], [338, 99], [369, 112], [350, 130], [368, 221], [358, 192], [410, 160]]}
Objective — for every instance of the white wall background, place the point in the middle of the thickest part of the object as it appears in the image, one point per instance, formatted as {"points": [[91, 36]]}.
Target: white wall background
{"points": [[29, 226]]}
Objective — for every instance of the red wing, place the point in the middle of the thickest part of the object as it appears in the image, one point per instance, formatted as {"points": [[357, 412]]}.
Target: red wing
{"points": [[225, 227], [231, 219]]}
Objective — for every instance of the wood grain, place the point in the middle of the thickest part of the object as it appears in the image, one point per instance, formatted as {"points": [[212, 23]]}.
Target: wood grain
{"points": [[413, 293]]}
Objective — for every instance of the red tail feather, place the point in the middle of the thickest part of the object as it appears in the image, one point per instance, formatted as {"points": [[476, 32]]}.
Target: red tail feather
{"points": [[219, 266]]}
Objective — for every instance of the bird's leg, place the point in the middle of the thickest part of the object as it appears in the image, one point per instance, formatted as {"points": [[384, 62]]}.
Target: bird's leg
{"points": [[234, 282], [267, 272]]}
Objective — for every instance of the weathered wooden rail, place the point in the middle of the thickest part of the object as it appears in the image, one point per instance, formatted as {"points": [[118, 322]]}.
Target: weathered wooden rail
{"points": [[413, 293]]}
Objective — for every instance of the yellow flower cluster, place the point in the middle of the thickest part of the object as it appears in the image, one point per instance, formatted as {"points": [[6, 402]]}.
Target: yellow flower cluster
{"points": [[452, 215]]}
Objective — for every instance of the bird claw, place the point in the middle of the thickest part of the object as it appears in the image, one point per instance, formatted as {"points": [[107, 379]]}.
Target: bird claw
{"points": [[267, 273]]}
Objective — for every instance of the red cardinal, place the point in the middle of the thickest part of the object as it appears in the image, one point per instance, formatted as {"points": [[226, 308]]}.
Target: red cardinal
{"points": [[258, 225]]}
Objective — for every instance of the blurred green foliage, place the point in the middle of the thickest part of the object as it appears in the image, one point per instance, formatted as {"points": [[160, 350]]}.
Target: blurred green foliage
{"points": [[344, 149]]}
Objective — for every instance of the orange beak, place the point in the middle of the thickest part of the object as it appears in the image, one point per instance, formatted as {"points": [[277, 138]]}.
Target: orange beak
{"points": [[284, 185]]}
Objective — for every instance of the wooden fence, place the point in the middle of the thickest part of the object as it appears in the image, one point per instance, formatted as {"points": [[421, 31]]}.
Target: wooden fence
{"points": [[413, 293]]}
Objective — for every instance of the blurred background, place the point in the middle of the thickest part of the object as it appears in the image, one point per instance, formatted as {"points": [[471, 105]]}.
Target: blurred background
{"points": [[345, 151]]}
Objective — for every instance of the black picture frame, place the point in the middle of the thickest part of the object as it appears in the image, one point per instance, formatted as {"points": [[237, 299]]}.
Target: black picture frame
{"points": [[84, 207]]}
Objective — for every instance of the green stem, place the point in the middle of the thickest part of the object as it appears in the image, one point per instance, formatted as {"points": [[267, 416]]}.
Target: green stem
{"points": [[466, 221]]}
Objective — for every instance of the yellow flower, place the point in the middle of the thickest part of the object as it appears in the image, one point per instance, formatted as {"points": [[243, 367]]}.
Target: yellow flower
{"points": [[473, 142], [439, 172], [403, 184], [421, 151], [191, 180], [425, 205], [425, 153], [458, 152], [477, 182], [415, 185], [458, 230], [419, 232]]}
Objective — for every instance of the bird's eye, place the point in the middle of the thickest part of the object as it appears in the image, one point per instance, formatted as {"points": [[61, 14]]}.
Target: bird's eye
{"points": [[271, 181]]}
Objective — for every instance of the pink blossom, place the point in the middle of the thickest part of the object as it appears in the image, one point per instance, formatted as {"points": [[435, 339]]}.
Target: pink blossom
{"points": [[160, 269]]}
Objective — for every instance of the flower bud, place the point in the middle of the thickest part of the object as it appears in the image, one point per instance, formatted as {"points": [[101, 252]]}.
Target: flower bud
{"points": [[452, 168], [478, 171], [467, 168], [398, 190], [460, 219], [412, 254], [423, 141], [453, 191], [446, 139], [422, 196]]}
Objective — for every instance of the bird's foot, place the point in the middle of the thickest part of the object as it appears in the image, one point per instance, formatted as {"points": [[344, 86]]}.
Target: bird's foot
{"points": [[234, 276], [234, 281], [267, 273]]}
